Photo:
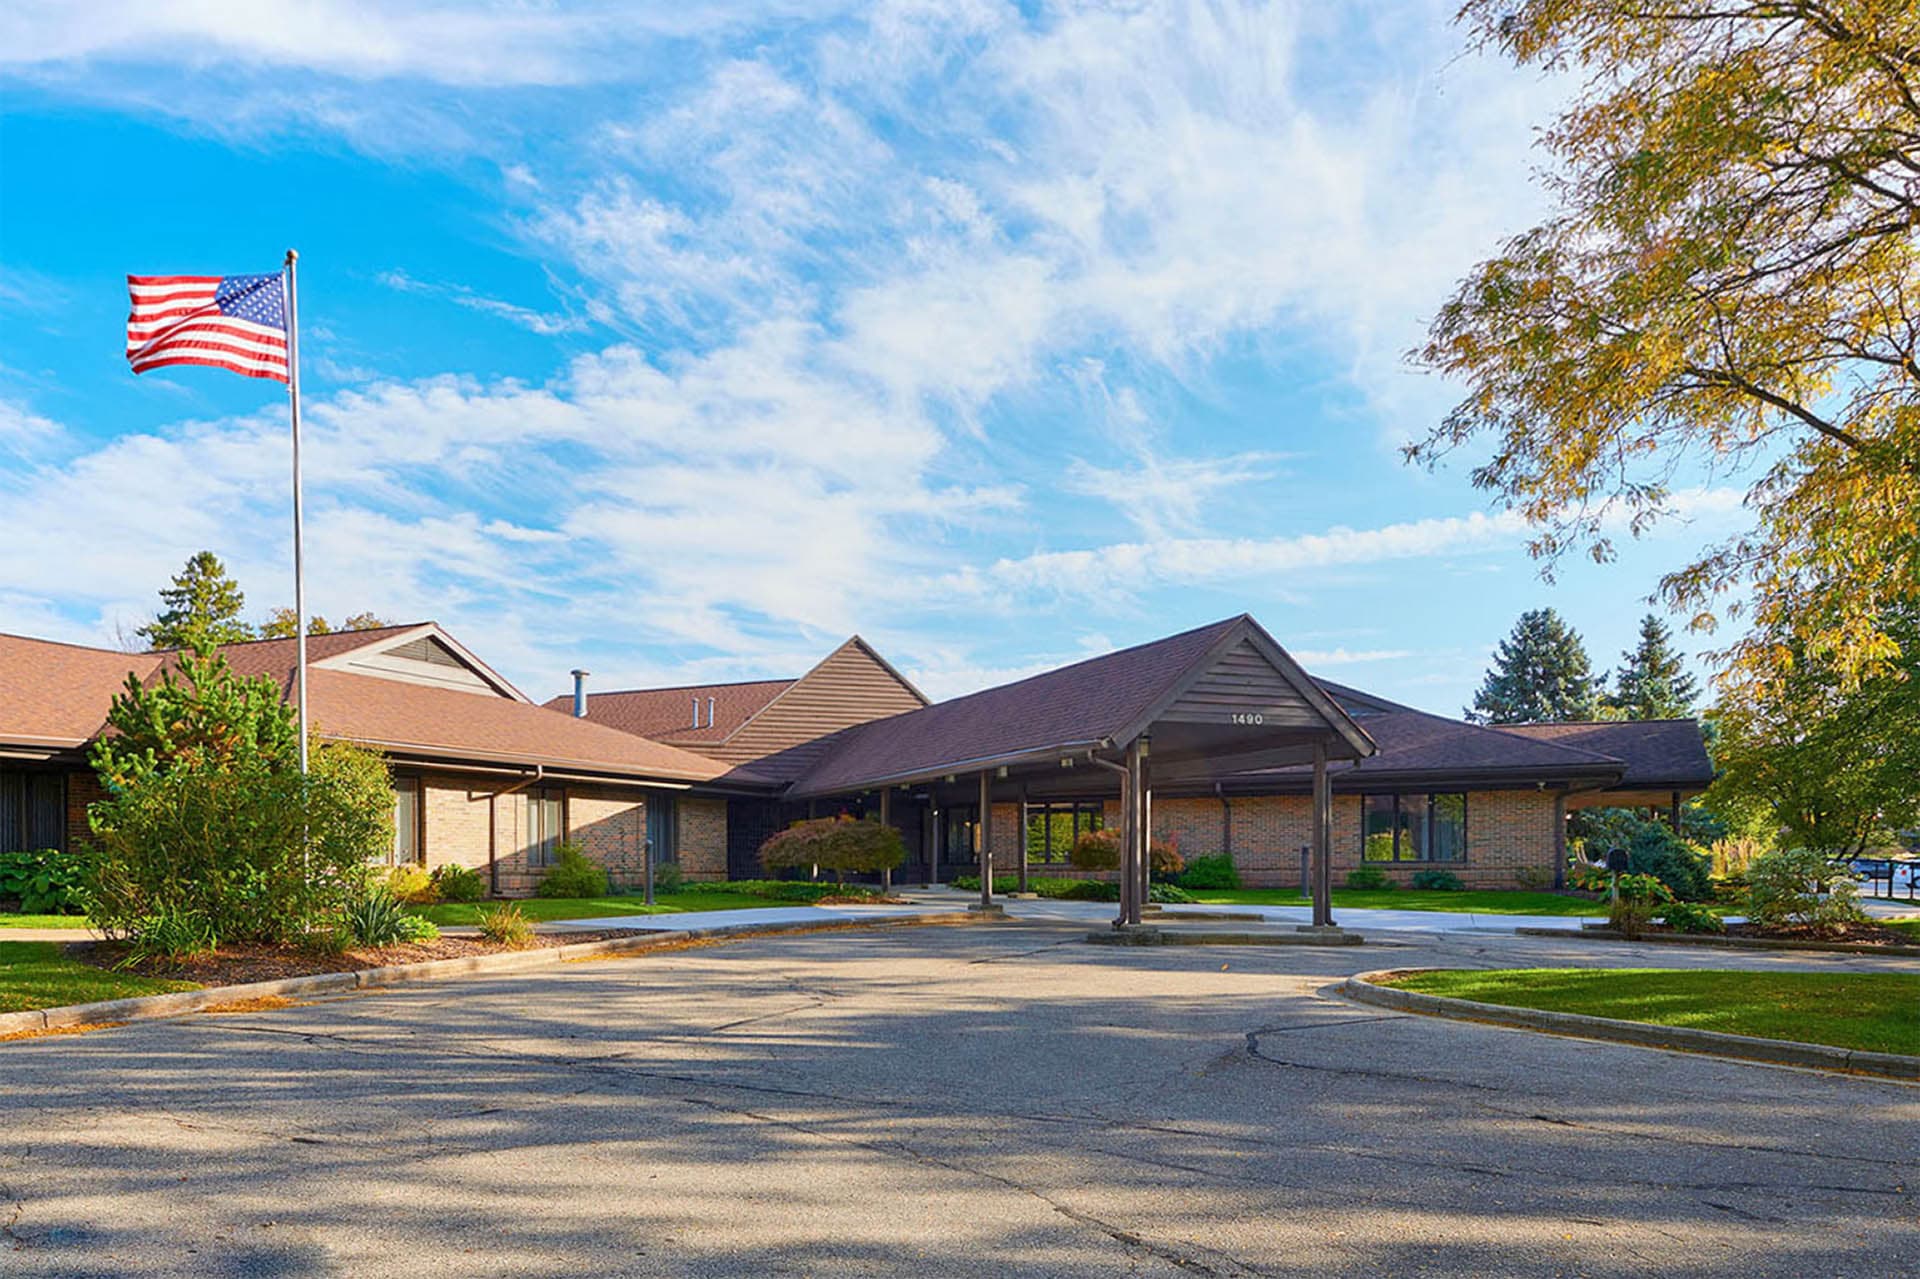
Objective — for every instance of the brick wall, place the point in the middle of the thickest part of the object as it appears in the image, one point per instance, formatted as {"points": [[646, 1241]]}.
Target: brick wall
{"points": [[83, 790], [1506, 831], [703, 838], [610, 825]]}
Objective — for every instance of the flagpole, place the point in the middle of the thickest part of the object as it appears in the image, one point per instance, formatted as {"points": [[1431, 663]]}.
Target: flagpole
{"points": [[299, 537]]}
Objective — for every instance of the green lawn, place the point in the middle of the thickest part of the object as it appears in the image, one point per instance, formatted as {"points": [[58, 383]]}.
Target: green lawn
{"points": [[1878, 1012], [42, 921], [1485, 902], [542, 908], [38, 974], [1908, 924]]}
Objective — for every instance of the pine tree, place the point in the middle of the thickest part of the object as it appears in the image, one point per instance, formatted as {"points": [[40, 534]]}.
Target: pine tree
{"points": [[202, 608], [280, 624], [1540, 673], [1653, 682]]}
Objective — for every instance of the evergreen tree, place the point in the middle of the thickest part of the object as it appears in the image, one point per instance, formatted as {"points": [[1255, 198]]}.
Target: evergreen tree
{"points": [[202, 608], [1540, 673], [1653, 682]]}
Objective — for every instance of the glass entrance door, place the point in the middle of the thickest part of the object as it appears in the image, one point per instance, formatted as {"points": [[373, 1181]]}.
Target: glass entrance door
{"points": [[956, 835]]}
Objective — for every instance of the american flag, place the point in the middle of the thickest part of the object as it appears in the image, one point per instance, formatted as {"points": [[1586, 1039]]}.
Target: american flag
{"points": [[236, 322]]}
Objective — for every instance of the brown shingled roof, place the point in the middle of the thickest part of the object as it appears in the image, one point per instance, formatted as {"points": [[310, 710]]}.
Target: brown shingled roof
{"points": [[667, 713], [56, 695], [1656, 752]]}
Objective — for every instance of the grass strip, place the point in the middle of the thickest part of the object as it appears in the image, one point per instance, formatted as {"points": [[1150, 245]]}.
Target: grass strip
{"points": [[40, 974]]}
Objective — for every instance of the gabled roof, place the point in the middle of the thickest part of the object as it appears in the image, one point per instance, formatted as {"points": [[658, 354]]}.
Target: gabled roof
{"points": [[274, 658], [1097, 703], [667, 713], [1657, 753], [55, 696]]}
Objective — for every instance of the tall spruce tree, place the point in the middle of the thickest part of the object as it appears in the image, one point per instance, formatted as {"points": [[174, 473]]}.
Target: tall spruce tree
{"points": [[1540, 673], [201, 609], [1653, 682]]}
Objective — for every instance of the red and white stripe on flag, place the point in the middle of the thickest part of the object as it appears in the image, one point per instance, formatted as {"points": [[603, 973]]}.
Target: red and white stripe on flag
{"points": [[229, 322]]}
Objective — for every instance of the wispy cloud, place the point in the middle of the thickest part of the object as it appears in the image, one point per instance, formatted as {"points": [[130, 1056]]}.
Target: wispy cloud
{"points": [[545, 323]]}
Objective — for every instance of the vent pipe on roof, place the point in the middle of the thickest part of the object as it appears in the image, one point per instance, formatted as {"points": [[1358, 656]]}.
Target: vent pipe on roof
{"points": [[709, 712], [580, 693], [696, 712]]}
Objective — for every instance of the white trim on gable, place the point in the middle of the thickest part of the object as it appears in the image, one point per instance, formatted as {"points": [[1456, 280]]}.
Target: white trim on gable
{"points": [[450, 664]]}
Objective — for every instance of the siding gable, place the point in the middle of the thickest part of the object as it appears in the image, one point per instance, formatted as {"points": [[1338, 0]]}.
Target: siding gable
{"points": [[421, 659], [1242, 682], [852, 685]]}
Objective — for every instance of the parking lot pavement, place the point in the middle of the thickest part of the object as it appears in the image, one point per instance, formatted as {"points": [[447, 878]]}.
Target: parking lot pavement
{"points": [[999, 1099]]}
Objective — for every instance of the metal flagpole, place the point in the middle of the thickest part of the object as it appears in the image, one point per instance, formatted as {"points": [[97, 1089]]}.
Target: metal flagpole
{"points": [[299, 553]]}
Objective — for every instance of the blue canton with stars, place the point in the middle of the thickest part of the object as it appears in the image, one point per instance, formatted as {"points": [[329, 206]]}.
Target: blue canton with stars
{"points": [[260, 299]]}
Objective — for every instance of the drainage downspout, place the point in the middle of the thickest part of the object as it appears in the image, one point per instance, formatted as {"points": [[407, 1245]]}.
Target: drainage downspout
{"points": [[493, 824], [1226, 820]]}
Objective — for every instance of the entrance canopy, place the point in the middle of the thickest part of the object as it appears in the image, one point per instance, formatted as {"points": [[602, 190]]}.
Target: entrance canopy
{"points": [[1214, 701]]}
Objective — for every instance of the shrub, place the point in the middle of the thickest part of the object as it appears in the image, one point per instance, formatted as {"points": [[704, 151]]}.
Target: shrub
{"points": [[1212, 872], [1367, 879], [412, 885], [506, 925], [667, 878], [1691, 917], [1100, 850], [43, 881], [379, 919], [1166, 894], [572, 875], [171, 935], [1435, 880], [1655, 850], [1731, 856], [207, 816], [840, 844], [1589, 879], [1533, 878], [459, 883], [1800, 888], [1637, 899]]}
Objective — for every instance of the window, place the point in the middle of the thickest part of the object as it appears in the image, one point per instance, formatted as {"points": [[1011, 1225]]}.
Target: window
{"points": [[543, 823], [1052, 828], [1413, 828], [33, 811], [663, 828], [406, 822]]}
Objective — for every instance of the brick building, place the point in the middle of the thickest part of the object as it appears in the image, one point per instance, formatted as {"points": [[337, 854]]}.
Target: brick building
{"points": [[1226, 729]]}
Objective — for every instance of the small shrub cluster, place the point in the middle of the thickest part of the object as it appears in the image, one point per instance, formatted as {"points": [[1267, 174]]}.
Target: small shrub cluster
{"points": [[1436, 880], [380, 919], [844, 845], [1589, 879], [1655, 850], [44, 881], [170, 935], [1637, 900], [506, 925], [1692, 917], [572, 875], [1366, 879], [1210, 873], [459, 883], [1800, 888], [667, 878], [1100, 850], [412, 886]]}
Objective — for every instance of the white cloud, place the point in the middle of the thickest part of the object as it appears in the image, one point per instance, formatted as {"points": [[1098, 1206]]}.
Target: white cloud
{"points": [[545, 323]]}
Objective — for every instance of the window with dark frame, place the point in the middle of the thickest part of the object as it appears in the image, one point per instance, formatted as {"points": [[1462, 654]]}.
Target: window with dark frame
{"points": [[406, 822], [663, 828], [1053, 827], [544, 823], [33, 811], [1414, 828]]}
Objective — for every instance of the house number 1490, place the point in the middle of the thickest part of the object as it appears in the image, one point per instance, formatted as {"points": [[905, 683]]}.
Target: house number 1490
{"points": [[1249, 717]]}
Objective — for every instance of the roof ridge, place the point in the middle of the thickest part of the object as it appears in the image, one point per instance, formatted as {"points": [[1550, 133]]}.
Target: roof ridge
{"points": [[281, 639], [1504, 730], [682, 688], [84, 648], [1582, 723]]}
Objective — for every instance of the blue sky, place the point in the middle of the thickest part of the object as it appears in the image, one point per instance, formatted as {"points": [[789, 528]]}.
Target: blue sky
{"points": [[681, 342]]}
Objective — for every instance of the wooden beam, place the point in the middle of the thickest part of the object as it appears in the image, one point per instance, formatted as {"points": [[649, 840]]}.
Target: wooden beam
{"points": [[983, 839]]}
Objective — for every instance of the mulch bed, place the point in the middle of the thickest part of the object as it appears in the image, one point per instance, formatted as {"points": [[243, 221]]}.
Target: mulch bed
{"points": [[236, 965], [1867, 934]]}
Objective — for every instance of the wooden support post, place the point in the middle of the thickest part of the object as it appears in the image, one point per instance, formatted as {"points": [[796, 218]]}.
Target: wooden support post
{"points": [[1130, 861], [983, 839], [886, 819], [1322, 841], [1146, 829], [1026, 835]]}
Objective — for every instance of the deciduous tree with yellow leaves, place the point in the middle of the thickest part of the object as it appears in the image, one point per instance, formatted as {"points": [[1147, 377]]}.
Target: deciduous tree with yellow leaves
{"points": [[1728, 284]]}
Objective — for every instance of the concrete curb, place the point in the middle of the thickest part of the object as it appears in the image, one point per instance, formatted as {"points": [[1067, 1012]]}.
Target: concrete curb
{"points": [[1716, 939], [1362, 988], [147, 1007]]}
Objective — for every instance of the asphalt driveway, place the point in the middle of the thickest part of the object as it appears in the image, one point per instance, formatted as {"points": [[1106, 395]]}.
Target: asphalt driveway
{"points": [[990, 1100]]}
